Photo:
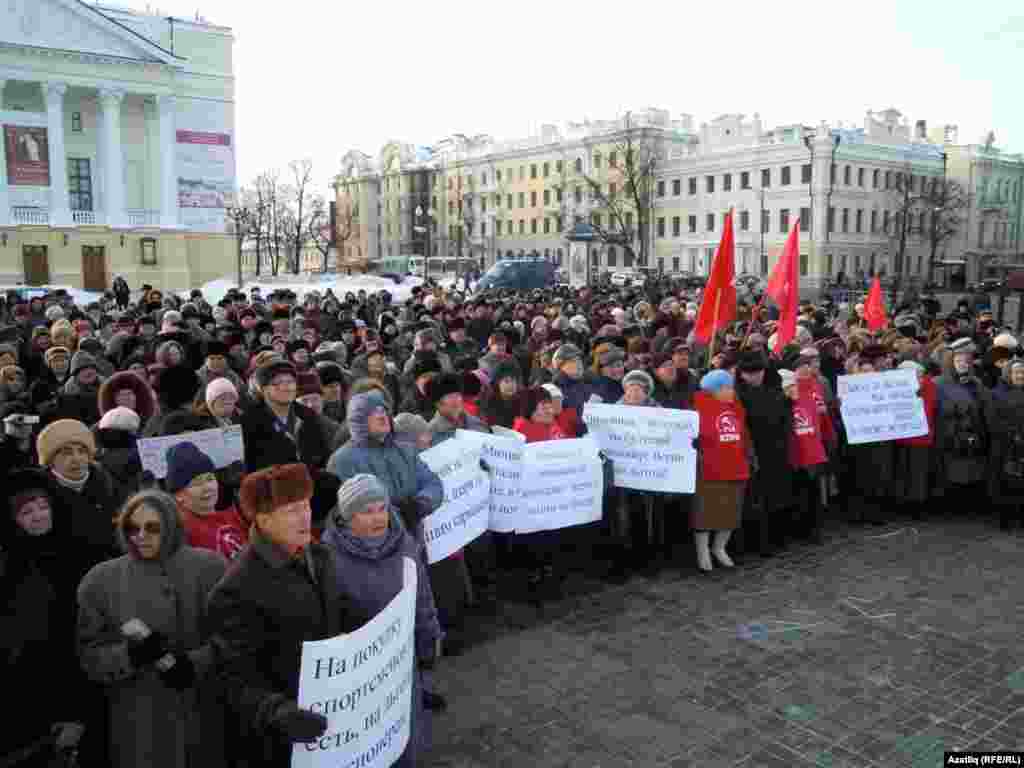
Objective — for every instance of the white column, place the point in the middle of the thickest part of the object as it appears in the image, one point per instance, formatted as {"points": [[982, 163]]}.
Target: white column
{"points": [[60, 213], [113, 161], [5, 206], [168, 177]]}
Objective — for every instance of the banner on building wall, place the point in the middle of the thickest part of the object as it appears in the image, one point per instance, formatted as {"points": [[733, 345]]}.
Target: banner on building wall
{"points": [[206, 170], [27, 150]]}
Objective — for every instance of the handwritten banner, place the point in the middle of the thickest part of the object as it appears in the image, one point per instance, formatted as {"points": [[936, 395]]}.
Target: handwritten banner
{"points": [[651, 448], [362, 683], [465, 512], [878, 407], [562, 485], [504, 456], [224, 446]]}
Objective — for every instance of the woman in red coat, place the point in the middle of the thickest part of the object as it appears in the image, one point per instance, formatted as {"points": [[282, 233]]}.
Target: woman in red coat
{"points": [[538, 421], [807, 455], [914, 455], [723, 468]]}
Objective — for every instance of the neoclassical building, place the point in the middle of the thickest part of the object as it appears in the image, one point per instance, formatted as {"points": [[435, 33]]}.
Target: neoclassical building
{"points": [[119, 146], [490, 199]]}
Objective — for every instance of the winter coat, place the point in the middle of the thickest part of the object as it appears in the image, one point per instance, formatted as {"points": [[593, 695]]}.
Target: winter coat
{"points": [[91, 513], [150, 723], [418, 403], [370, 574], [769, 420], [575, 392], [609, 390], [961, 431], [119, 456], [260, 613], [1004, 418], [501, 411], [145, 398], [444, 429], [307, 439], [398, 468]]}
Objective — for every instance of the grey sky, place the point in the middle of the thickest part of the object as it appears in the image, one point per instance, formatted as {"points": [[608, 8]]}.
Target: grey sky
{"points": [[317, 78]]}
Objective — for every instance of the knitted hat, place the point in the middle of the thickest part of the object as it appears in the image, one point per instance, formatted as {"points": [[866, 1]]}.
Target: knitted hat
{"points": [[54, 313], [410, 424], [445, 384], [360, 407], [611, 357], [715, 380], [215, 347], [911, 365], [554, 390], [639, 377], [58, 434], [121, 418], [219, 387], [565, 354], [185, 462], [532, 398], [356, 494], [1005, 340], [309, 384], [788, 378], [961, 346], [274, 487]]}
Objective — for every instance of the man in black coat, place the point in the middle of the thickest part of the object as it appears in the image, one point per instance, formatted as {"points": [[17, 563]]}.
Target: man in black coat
{"points": [[280, 592]]}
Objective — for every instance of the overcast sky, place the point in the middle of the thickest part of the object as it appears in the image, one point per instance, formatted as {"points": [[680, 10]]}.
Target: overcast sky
{"points": [[316, 78]]}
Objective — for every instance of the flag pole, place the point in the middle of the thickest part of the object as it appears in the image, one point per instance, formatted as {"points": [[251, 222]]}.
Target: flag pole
{"points": [[714, 327], [750, 326]]}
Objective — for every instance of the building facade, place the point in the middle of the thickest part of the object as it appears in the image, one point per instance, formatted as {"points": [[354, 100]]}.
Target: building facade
{"points": [[119, 146], [865, 195]]}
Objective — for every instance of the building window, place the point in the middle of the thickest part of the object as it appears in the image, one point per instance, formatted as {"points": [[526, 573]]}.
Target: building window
{"points": [[522, 172], [744, 221], [709, 184], [727, 182], [558, 194], [831, 223], [885, 222], [595, 219], [661, 226], [613, 159], [497, 227], [547, 197], [558, 223], [533, 170], [981, 234], [510, 229], [677, 187], [765, 221], [533, 199], [847, 171], [522, 199], [710, 224], [874, 222], [613, 190], [613, 258], [483, 179], [547, 225], [846, 220], [783, 220], [483, 229], [497, 175], [745, 180], [579, 195], [832, 174], [547, 169], [661, 188], [803, 265], [859, 221], [766, 177], [79, 184], [693, 185], [874, 179], [805, 219], [76, 122], [629, 221], [508, 201], [533, 226], [522, 226], [558, 166], [579, 165], [785, 180], [805, 173], [677, 226], [888, 179], [860, 177], [691, 222]]}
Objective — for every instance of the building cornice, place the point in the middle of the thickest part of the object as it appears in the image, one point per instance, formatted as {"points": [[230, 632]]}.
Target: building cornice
{"points": [[86, 57]]}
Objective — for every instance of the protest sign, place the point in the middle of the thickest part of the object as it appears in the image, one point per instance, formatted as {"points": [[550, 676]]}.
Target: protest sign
{"points": [[651, 448], [501, 431], [223, 445], [562, 485], [465, 511], [877, 407], [362, 683], [504, 456]]}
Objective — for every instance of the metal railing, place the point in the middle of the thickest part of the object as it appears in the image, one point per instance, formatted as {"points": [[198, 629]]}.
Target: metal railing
{"points": [[83, 217], [143, 217], [27, 214]]}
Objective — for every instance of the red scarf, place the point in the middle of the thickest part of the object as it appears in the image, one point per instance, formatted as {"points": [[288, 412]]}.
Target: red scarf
{"points": [[724, 440], [536, 432], [930, 396], [805, 446]]}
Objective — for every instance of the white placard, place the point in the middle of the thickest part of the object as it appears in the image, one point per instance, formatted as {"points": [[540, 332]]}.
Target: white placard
{"points": [[465, 512], [651, 448], [878, 407], [504, 456], [501, 431], [362, 683], [223, 445], [562, 485]]}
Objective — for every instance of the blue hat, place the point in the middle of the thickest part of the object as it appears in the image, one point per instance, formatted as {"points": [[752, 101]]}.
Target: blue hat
{"points": [[715, 380], [185, 463]]}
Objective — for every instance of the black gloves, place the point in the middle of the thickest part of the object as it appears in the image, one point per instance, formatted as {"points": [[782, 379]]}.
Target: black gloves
{"points": [[182, 675], [408, 510], [696, 443], [147, 651], [298, 726]]}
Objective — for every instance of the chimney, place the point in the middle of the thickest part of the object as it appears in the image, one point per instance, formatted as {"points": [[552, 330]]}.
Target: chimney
{"points": [[922, 129]]}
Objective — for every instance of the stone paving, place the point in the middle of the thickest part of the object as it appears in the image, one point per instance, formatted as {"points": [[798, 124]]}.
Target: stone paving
{"points": [[881, 647]]}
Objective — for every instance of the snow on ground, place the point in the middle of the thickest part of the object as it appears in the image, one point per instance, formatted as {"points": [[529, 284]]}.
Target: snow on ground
{"points": [[80, 297], [305, 283]]}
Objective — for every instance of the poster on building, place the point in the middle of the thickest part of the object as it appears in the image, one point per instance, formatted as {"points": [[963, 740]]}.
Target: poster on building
{"points": [[206, 170], [362, 683], [578, 265], [27, 150]]}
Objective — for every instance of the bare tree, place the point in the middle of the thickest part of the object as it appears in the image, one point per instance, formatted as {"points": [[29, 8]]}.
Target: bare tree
{"points": [[298, 210], [945, 202]]}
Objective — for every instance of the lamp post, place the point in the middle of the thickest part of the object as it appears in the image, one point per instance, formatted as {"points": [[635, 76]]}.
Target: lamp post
{"points": [[240, 217], [760, 225], [425, 231], [831, 185], [809, 143]]}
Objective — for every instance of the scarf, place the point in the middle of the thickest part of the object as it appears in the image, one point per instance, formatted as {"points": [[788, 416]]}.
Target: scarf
{"points": [[75, 485]]}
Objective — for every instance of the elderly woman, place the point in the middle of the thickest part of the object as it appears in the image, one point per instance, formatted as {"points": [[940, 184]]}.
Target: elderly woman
{"points": [[139, 635], [369, 545]]}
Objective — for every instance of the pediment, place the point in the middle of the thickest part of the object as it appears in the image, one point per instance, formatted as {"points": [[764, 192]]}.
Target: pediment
{"points": [[72, 25]]}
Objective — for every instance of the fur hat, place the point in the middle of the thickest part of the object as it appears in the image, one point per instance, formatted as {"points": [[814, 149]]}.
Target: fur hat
{"points": [[410, 424], [145, 399], [271, 488], [962, 346], [639, 377], [424, 363], [177, 386], [58, 434], [445, 384], [356, 494], [266, 372], [121, 418], [532, 398], [566, 353], [185, 462], [788, 378]]}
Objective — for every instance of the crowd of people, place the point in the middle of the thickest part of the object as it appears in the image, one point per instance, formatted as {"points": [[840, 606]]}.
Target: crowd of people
{"points": [[170, 612]]}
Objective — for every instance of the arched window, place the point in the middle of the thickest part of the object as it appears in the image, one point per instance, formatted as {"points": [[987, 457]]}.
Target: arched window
{"points": [[558, 257], [595, 259], [612, 257], [579, 165], [547, 254]]}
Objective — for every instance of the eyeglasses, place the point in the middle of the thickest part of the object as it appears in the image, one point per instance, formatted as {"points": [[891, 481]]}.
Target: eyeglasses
{"points": [[132, 530]]}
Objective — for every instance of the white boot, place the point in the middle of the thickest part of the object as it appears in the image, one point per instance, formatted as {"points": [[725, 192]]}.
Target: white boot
{"points": [[703, 555], [721, 539]]}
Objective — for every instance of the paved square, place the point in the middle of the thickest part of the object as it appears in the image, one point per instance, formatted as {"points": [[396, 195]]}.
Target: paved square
{"points": [[883, 647]]}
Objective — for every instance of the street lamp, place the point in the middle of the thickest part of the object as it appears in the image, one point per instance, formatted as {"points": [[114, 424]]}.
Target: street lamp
{"points": [[425, 231], [809, 143], [240, 217], [831, 185]]}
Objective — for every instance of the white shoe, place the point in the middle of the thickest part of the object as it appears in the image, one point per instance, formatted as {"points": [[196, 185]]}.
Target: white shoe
{"points": [[703, 554], [721, 539]]}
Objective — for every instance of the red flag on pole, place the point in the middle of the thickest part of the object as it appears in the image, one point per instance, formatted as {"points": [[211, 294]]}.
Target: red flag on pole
{"points": [[874, 307], [718, 305], [784, 288]]}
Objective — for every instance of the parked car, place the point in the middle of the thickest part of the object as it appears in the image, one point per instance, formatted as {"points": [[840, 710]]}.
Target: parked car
{"points": [[518, 274], [627, 277]]}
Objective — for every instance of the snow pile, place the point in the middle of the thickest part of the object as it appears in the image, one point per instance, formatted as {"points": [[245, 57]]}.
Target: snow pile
{"points": [[80, 297], [215, 290]]}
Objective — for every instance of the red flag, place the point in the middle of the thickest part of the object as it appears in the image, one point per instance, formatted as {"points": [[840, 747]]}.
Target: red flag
{"points": [[874, 307], [784, 288], [718, 304]]}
